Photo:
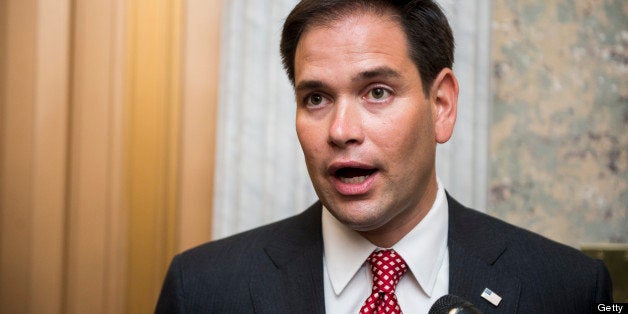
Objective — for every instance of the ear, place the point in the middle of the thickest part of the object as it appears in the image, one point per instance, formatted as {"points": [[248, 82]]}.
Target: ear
{"points": [[444, 99]]}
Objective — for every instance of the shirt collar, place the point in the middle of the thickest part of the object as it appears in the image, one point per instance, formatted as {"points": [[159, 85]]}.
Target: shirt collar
{"points": [[423, 248]]}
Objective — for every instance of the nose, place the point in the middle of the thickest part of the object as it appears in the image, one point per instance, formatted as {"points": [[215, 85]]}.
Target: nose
{"points": [[347, 125]]}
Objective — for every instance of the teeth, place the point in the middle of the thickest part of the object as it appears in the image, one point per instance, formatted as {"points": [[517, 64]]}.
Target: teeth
{"points": [[353, 180]]}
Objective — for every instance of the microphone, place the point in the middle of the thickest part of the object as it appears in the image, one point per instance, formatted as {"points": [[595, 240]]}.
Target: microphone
{"points": [[452, 304]]}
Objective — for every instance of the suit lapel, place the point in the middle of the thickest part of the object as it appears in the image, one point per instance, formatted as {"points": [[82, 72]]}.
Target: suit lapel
{"points": [[291, 279], [474, 253]]}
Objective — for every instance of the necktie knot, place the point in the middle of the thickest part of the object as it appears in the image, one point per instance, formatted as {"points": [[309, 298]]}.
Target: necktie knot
{"points": [[387, 267]]}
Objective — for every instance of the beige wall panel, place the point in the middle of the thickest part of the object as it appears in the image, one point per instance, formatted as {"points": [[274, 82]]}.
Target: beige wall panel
{"points": [[33, 153], [50, 156], [199, 110], [17, 126], [117, 238], [152, 149], [96, 219]]}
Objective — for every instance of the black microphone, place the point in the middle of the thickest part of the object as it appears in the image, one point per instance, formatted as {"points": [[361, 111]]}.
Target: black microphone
{"points": [[452, 304]]}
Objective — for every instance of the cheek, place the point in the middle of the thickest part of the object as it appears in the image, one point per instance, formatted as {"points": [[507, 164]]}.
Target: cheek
{"points": [[310, 140], [402, 132], [302, 131]]}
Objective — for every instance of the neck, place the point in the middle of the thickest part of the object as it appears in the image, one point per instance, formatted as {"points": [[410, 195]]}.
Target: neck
{"points": [[398, 227]]}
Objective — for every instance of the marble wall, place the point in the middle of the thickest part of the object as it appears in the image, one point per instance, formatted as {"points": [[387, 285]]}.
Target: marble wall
{"points": [[559, 135]]}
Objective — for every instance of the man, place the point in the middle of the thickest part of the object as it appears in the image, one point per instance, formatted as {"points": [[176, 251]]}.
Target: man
{"points": [[375, 93]]}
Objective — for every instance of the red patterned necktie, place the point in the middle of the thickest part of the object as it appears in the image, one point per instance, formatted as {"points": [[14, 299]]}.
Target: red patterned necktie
{"points": [[387, 267]]}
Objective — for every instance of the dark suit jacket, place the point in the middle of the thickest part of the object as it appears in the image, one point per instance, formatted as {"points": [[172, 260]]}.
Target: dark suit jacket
{"points": [[278, 269]]}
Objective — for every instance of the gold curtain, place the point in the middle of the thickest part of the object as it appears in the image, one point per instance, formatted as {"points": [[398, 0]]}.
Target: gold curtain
{"points": [[107, 123]]}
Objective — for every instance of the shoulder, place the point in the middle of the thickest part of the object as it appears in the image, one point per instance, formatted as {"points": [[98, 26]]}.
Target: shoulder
{"points": [[543, 266], [202, 278], [484, 230], [243, 246]]}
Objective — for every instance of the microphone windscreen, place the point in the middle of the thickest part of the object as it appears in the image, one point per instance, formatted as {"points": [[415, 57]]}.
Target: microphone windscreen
{"points": [[447, 303]]}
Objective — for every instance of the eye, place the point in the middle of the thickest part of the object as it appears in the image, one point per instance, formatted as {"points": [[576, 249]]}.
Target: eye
{"points": [[378, 94], [314, 100]]}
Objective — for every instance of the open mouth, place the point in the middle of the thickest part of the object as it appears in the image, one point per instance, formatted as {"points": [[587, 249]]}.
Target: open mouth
{"points": [[353, 175]]}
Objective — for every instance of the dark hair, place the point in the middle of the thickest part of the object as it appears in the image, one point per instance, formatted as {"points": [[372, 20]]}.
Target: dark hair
{"points": [[429, 36]]}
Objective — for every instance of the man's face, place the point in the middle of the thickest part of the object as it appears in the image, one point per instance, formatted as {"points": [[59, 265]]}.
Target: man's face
{"points": [[364, 123]]}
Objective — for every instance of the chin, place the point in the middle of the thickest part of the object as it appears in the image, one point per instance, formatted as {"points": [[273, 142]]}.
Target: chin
{"points": [[359, 219]]}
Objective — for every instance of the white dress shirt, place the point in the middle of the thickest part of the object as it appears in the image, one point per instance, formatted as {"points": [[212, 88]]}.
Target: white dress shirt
{"points": [[348, 279]]}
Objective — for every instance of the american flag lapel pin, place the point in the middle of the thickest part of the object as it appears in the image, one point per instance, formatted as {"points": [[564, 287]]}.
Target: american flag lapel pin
{"points": [[491, 296]]}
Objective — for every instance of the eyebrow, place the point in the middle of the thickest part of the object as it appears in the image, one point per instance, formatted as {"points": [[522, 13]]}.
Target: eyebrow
{"points": [[310, 84], [379, 72]]}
